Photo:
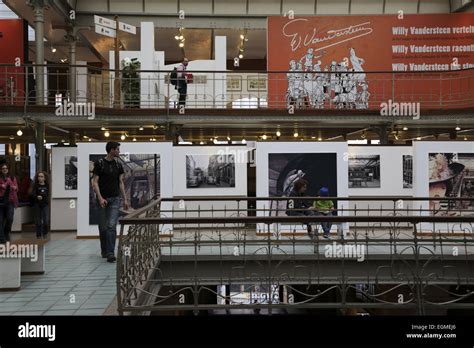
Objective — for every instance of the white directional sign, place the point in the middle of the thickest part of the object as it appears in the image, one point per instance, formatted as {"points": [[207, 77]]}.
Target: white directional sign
{"points": [[99, 29], [127, 28], [109, 23]]}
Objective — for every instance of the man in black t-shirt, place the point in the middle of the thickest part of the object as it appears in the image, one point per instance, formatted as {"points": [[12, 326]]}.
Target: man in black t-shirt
{"points": [[108, 183]]}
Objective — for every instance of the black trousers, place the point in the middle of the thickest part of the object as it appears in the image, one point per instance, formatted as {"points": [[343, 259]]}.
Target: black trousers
{"points": [[183, 91]]}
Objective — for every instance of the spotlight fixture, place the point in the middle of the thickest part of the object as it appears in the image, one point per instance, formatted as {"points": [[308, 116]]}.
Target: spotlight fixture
{"points": [[458, 128], [418, 138], [141, 128], [313, 137], [134, 139], [53, 50], [319, 139], [102, 128], [181, 44], [228, 138], [90, 139], [12, 137], [278, 133], [243, 39], [465, 138], [201, 143], [180, 37], [215, 141], [405, 128], [19, 133], [122, 137], [244, 141], [295, 134], [106, 134], [264, 137], [241, 56], [363, 136]]}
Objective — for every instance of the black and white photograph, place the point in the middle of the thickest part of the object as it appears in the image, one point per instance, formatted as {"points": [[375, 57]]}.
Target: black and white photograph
{"points": [[451, 175], [210, 171], [407, 163], [364, 171], [284, 169], [142, 182], [70, 173]]}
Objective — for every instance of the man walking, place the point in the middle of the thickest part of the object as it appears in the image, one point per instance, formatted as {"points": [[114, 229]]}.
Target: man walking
{"points": [[108, 183], [182, 84]]}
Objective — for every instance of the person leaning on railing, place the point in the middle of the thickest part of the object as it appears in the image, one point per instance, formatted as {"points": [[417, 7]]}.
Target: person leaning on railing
{"points": [[299, 206]]}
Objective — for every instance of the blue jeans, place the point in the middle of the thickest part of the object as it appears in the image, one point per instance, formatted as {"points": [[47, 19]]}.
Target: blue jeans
{"points": [[6, 221], [108, 217], [326, 226], [41, 219]]}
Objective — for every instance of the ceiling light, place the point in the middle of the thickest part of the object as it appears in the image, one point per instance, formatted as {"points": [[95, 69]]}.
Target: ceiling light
{"points": [[418, 138], [122, 137], [90, 139], [295, 134], [201, 143], [405, 128], [228, 138], [141, 128], [151, 139], [313, 137], [458, 128], [241, 56], [176, 37], [181, 37], [465, 138], [363, 136], [12, 137], [215, 141], [181, 44], [106, 134], [278, 133], [319, 139], [19, 133], [102, 128], [396, 137], [264, 137], [242, 36], [134, 139], [244, 141], [44, 141], [53, 50]]}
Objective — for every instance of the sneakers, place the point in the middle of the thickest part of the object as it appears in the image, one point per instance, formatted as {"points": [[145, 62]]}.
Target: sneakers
{"points": [[111, 259], [104, 255]]}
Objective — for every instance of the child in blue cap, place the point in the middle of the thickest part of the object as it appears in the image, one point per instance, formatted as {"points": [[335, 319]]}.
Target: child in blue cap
{"points": [[324, 207]]}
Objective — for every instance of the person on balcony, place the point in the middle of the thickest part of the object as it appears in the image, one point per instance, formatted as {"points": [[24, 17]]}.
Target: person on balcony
{"points": [[182, 83], [8, 202], [297, 205], [324, 207]]}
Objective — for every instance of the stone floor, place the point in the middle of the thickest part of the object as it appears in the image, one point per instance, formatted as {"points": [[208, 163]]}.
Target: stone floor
{"points": [[77, 282]]}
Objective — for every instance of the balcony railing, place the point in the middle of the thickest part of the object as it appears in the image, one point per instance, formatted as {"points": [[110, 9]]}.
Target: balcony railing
{"points": [[311, 90]]}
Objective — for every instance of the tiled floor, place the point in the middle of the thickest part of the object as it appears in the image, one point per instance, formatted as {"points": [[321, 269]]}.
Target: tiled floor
{"points": [[77, 282]]}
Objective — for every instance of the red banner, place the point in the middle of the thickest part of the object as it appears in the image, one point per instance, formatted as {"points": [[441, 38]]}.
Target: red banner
{"points": [[12, 79], [332, 60]]}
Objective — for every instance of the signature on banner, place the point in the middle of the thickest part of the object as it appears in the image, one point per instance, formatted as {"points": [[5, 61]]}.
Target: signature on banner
{"points": [[311, 38]]}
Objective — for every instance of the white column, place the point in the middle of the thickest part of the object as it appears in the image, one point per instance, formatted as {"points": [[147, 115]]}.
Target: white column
{"points": [[220, 83]]}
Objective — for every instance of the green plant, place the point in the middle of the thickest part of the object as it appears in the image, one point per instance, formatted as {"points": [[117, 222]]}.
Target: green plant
{"points": [[131, 82]]}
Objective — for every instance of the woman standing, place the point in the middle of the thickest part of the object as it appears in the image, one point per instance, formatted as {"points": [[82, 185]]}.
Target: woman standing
{"points": [[8, 191], [40, 197]]}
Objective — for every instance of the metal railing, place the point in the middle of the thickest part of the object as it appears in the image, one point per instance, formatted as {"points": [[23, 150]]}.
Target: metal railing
{"points": [[181, 258], [243, 89]]}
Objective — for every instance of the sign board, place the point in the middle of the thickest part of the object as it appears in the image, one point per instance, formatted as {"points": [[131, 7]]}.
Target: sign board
{"points": [[127, 28], [105, 31], [109, 23]]}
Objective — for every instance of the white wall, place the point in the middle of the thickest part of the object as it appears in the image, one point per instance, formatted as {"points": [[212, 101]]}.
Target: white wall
{"points": [[83, 152], [391, 170], [58, 155]]}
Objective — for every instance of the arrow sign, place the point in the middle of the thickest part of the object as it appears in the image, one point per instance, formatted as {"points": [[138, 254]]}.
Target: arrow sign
{"points": [[99, 29], [109, 23], [127, 28]]}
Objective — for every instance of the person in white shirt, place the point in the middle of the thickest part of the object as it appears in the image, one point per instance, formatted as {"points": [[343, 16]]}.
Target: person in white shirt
{"points": [[182, 84]]}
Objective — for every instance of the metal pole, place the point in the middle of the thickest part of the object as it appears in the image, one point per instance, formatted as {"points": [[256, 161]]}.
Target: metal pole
{"points": [[71, 37], [38, 9], [117, 95], [39, 146]]}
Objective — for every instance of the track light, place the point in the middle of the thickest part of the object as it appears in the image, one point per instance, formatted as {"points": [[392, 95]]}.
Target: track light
{"points": [[141, 128], [458, 128], [181, 44], [278, 133], [319, 139], [106, 134], [53, 50], [201, 143], [134, 139], [244, 141], [418, 138], [242, 36], [295, 134], [363, 136], [122, 137], [19, 133], [405, 128], [176, 37], [90, 139], [264, 137], [241, 56], [102, 128]]}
